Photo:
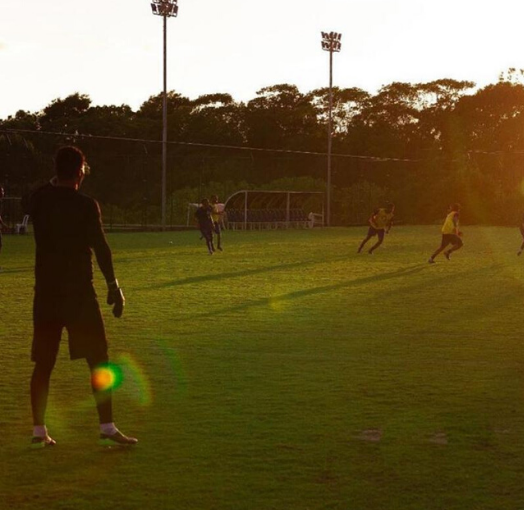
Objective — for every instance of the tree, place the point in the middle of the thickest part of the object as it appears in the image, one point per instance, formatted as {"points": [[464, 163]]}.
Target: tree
{"points": [[281, 117], [65, 114]]}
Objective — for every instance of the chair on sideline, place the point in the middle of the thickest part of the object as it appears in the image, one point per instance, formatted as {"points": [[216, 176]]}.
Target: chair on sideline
{"points": [[21, 228]]}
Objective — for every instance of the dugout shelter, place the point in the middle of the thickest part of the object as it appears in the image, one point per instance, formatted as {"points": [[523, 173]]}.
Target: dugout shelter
{"points": [[257, 209]]}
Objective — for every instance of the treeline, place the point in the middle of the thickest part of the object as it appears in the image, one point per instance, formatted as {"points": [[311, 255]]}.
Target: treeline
{"points": [[419, 145]]}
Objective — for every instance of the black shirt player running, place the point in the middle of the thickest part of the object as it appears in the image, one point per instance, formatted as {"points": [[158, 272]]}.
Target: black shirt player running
{"points": [[205, 223], [67, 227]]}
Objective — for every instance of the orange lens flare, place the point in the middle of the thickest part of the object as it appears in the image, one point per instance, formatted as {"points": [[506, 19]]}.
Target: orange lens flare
{"points": [[107, 377]]}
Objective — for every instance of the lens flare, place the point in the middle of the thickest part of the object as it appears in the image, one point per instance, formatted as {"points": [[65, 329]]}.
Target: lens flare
{"points": [[107, 377], [136, 379], [522, 187], [173, 367]]}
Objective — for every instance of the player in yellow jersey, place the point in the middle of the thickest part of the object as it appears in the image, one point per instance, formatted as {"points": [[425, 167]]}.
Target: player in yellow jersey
{"points": [[380, 223], [217, 211], [450, 234]]}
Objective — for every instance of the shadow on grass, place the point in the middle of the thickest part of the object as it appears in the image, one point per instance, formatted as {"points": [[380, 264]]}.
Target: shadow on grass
{"points": [[446, 278], [401, 273], [319, 290], [16, 270], [239, 274]]}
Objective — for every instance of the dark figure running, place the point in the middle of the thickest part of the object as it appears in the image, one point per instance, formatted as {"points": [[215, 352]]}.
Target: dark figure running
{"points": [[450, 234], [380, 223], [205, 223], [67, 227]]}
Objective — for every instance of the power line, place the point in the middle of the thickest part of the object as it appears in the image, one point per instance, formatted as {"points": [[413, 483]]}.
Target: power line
{"points": [[378, 159]]}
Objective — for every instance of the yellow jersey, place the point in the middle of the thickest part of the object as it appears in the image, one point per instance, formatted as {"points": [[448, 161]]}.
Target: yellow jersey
{"points": [[450, 224], [382, 219], [215, 216]]}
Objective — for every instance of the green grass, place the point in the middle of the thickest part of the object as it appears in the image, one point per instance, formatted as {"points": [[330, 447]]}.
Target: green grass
{"points": [[254, 377]]}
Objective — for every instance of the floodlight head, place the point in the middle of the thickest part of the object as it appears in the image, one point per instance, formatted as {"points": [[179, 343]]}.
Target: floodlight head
{"points": [[166, 8], [331, 41]]}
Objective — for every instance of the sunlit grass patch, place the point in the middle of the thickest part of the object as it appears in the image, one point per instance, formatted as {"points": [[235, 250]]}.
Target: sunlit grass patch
{"points": [[285, 372]]}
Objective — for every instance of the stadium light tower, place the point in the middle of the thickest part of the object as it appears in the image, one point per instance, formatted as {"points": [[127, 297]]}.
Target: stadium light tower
{"points": [[330, 42], [166, 9]]}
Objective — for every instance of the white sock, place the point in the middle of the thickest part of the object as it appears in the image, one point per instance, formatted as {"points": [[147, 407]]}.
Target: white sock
{"points": [[108, 428], [40, 431]]}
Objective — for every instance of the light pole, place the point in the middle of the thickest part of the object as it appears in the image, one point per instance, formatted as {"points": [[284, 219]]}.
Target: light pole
{"points": [[166, 9], [330, 42]]}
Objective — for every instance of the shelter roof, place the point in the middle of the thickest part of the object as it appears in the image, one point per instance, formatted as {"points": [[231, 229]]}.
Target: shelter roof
{"points": [[262, 199]]}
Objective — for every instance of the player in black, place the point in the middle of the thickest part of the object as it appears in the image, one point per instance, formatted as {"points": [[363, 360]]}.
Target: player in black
{"points": [[67, 228], [205, 223]]}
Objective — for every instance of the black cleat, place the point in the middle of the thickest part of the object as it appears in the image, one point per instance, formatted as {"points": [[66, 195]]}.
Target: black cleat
{"points": [[38, 442], [116, 439], [447, 254]]}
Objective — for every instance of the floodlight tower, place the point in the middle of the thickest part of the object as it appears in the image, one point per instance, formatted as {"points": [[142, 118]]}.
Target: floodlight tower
{"points": [[330, 42], [166, 9]]}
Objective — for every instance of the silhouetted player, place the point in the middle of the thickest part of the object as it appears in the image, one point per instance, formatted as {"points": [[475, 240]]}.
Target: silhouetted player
{"points": [[380, 223], [205, 223], [450, 234], [67, 227]]}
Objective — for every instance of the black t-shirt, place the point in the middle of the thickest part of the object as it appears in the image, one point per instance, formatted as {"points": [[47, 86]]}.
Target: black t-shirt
{"points": [[67, 226], [203, 216]]}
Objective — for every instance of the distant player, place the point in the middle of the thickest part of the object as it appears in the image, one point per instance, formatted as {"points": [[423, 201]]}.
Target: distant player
{"points": [[380, 223], [450, 234], [2, 224], [205, 223], [521, 228], [217, 211]]}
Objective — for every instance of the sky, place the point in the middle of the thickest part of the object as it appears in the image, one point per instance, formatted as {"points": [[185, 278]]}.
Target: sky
{"points": [[112, 50]]}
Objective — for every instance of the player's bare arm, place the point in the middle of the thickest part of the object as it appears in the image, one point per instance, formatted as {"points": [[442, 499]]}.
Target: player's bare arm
{"points": [[104, 258]]}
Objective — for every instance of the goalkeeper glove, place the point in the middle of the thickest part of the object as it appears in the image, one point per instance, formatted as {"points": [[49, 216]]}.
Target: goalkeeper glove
{"points": [[116, 298]]}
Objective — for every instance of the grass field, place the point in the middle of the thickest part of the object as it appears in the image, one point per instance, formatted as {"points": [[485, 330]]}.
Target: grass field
{"points": [[286, 373]]}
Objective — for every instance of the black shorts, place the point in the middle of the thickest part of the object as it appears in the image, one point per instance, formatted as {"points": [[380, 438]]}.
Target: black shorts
{"points": [[376, 232], [207, 232], [453, 239], [216, 228], [80, 315]]}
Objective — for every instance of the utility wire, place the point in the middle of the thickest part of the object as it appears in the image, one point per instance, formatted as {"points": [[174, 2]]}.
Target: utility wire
{"points": [[208, 145]]}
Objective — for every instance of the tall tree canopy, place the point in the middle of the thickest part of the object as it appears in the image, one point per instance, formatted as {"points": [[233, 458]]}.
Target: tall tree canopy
{"points": [[459, 143]]}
